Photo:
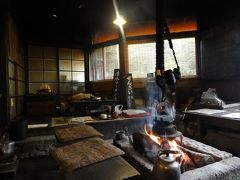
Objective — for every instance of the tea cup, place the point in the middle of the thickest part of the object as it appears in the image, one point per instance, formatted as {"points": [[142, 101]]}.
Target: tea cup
{"points": [[103, 116]]}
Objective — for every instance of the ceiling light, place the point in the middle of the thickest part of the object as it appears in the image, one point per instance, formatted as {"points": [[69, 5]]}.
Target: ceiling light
{"points": [[81, 5], [119, 21], [54, 16]]}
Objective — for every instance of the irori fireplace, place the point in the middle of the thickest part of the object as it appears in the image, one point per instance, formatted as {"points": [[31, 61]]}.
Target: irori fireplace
{"points": [[224, 166]]}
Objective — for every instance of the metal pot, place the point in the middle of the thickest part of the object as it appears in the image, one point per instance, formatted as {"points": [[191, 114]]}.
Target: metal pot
{"points": [[7, 149], [166, 168]]}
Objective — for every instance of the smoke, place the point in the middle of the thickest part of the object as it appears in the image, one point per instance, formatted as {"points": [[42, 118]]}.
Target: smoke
{"points": [[167, 107], [158, 107]]}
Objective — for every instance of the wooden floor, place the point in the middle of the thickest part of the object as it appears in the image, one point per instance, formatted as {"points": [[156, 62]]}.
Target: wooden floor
{"points": [[45, 168], [41, 168]]}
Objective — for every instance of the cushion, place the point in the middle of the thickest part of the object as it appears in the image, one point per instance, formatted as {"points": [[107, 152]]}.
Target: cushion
{"points": [[83, 153], [72, 133]]}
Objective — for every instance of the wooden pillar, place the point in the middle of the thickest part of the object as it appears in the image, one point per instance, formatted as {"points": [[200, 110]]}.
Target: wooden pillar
{"points": [[124, 69], [160, 20], [86, 62], [4, 71], [123, 52]]}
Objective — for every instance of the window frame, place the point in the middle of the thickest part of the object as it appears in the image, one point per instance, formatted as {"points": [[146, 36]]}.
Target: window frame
{"points": [[140, 82], [180, 35], [44, 56]]}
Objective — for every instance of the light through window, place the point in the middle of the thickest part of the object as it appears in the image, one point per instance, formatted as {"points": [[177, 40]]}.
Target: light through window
{"points": [[186, 56], [103, 61], [142, 57]]}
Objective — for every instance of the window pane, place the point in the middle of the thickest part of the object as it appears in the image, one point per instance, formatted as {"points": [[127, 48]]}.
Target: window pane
{"points": [[65, 65], [111, 60], [50, 64], [77, 54], [78, 76], [11, 88], [103, 62], [185, 53], [78, 65], [50, 76], [21, 88], [35, 76], [96, 64], [142, 59], [65, 76], [35, 64], [20, 73], [11, 70]]}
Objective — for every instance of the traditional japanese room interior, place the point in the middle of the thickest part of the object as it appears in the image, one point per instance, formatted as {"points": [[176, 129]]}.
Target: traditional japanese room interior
{"points": [[119, 89]]}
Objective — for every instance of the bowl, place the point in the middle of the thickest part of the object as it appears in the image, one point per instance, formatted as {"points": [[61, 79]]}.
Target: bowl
{"points": [[103, 116]]}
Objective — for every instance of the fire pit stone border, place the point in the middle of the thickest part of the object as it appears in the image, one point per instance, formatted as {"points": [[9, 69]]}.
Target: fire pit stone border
{"points": [[226, 166], [226, 169]]}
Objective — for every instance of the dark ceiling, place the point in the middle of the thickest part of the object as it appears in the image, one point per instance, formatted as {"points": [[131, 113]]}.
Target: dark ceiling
{"points": [[76, 20]]}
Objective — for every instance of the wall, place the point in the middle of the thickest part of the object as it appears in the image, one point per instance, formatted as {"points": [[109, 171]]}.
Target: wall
{"points": [[12, 69], [15, 69], [220, 52], [3, 79]]}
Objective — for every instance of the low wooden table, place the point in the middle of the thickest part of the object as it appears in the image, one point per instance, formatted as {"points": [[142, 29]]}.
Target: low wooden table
{"points": [[225, 167], [225, 119], [10, 166]]}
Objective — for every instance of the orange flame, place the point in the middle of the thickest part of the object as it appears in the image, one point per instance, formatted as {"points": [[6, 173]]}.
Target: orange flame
{"points": [[181, 157], [156, 139]]}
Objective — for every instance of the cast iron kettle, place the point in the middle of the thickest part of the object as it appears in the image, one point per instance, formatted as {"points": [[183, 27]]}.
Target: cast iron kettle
{"points": [[166, 168]]}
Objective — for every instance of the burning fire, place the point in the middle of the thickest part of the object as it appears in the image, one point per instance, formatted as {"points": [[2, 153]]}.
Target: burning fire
{"points": [[170, 147]]}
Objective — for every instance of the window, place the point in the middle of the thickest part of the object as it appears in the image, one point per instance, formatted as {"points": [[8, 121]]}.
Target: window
{"points": [[71, 71], [186, 56], [42, 66], [103, 61], [142, 57], [61, 68]]}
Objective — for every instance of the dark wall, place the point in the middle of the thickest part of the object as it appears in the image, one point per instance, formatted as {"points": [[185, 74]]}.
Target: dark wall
{"points": [[228, 90], [3, 78], [220, 50], [220, 47]]}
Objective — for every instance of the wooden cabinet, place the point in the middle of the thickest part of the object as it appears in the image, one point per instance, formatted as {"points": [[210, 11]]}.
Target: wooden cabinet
{"points": [[40, 105]]}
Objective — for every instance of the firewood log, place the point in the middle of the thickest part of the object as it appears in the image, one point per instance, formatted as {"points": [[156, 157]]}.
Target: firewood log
{"points": [[143, 144], [199, 159], [188, 160]]}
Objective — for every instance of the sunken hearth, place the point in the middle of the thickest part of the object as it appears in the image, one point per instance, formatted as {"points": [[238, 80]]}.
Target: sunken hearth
{"points": [[197, 160]]}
